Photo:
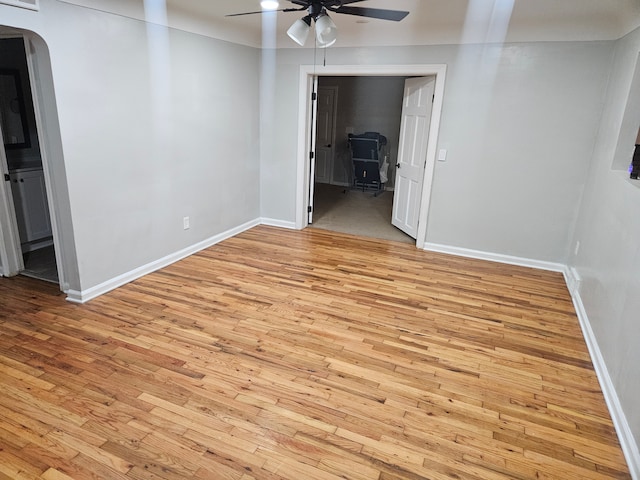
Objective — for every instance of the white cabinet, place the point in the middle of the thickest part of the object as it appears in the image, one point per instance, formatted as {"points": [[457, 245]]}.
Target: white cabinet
{"points": [[32, 210]]}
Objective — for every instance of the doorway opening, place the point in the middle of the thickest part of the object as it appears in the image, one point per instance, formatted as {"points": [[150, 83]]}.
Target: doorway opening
{"points": [[23, 165], [344, 199], [35, 217], [337, 172]]}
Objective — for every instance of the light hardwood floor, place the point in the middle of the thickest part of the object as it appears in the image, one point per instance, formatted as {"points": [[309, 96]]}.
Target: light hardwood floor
{"points": [[304, 355]]}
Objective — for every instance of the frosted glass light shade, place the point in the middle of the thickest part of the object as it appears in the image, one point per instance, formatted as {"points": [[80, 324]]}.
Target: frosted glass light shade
{"points": [[326, 31], [269, 4], [299, 31]]}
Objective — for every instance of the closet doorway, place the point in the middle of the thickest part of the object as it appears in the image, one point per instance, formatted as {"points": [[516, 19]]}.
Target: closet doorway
{"points": [[356, 105]]}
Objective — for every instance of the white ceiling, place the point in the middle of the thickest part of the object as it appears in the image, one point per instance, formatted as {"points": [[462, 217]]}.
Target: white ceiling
{"points": [[430, 21]]}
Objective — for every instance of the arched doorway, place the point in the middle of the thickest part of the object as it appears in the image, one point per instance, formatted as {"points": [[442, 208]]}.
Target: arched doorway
{"points": [[38, 171]]}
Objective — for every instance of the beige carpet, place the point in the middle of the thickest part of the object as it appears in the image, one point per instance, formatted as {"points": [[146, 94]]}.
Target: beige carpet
{"points": [[356, 212]]}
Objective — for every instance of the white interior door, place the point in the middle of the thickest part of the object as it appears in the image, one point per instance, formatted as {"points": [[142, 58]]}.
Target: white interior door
{"points": [[412, 153], [10, 253], [325, 135], [312, 148]]}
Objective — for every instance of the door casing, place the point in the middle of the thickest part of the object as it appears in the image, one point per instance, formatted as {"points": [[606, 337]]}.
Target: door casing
{"points": [[305, 125]]}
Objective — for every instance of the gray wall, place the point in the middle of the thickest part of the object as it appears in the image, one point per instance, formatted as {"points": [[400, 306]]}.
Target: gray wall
{"points": [[608, 229], [155, 124], [366, 104], [519, 123]]}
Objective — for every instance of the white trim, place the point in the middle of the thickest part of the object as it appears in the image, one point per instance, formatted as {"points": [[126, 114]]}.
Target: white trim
{"points": [[307, 73], [52, 193], [625, 435], [93, 292], [495, 257], [20, 3], [572, 279], [305, 86], [432, 145], [272, 222], [311, 170]]}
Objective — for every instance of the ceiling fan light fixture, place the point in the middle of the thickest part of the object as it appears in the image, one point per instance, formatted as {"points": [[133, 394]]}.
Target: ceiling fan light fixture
{"points": [[326, 30], [269, 4], [299, 31]]}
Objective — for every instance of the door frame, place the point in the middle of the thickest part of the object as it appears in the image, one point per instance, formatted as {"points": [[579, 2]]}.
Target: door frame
{"points": [[305, 124], [311, 178]]}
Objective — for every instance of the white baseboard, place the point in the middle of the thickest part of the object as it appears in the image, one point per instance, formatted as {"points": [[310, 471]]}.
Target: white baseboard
{"points": [[494, 257], [272, 222], [625, 435], [93, 292], [572, 279]]}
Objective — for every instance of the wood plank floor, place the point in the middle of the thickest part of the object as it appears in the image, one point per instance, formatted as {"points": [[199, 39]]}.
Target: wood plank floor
{"points": [[304, 355]]}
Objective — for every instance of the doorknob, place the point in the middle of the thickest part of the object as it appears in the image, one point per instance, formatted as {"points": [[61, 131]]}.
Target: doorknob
{"points": [[397, 165], [328, 146]]}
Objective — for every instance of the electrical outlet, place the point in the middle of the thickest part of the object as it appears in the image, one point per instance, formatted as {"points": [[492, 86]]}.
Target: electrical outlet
{"points": [[577, 249], [185, 223]]}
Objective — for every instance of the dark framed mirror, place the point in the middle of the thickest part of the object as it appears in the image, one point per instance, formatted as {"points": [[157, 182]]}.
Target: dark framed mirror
{"points": [[13, 119]]}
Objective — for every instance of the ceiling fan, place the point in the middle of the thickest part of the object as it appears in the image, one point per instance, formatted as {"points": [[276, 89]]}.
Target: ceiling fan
{"points": [[326, 30]]}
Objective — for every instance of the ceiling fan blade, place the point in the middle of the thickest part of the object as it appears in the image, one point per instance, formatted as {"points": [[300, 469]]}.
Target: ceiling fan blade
{"points": [[266, 11], [394, 15], [324, 3]]}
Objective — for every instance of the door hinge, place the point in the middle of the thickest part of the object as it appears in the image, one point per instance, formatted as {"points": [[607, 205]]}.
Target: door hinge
{"points": [[7, 178], [314, 96], [433, 98], [311, 155], [309, 209]]}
